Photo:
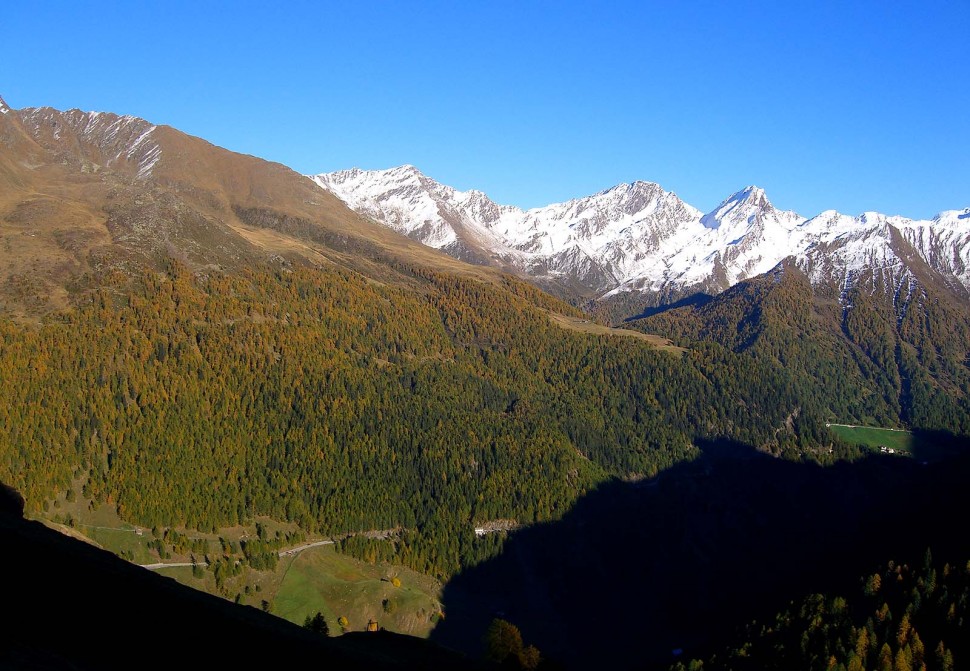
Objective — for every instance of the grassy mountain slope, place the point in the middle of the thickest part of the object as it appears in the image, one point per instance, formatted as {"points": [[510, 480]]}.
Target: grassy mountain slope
{"points": [[93, 197]]}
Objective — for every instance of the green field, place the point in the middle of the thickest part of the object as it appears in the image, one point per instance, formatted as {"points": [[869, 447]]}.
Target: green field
{"points": [[322, 579], [897, 440], [907, 443]]}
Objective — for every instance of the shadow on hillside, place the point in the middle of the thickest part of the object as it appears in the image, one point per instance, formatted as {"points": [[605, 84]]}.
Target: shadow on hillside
{"points": [[930, 446], [694, 300], [69, 605], [636, 570]]}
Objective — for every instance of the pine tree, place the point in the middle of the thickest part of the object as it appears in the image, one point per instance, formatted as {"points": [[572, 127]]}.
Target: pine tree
{"points": [[317, 624], [503, 639]]}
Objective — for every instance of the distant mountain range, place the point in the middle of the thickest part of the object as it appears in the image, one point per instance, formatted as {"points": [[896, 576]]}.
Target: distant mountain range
{"points": [[639, 237], [129, 187]]}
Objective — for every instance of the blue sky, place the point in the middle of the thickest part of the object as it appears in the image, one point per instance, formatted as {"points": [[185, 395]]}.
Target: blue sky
{"points": [[842, 105]]}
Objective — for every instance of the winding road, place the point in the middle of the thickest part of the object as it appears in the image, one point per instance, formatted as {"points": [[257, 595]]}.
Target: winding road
{"points": [[300, 548], [282, 553], [152, 567], [289, 552]]}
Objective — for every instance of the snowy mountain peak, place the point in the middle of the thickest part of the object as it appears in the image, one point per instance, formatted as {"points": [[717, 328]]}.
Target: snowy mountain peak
{"points": [[406, 170], [627, 198], [640, 186], [634, 187], [640, 237], [4, 109], [741, 207], [954, 219], [751, 194]]}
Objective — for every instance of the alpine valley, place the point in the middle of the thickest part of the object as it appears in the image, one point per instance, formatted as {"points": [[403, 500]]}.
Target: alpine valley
{"points": [[611, 433]]}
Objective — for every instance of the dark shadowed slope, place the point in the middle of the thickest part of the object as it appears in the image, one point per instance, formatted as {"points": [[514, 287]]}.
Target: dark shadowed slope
{"points": [[637, 570], [68, 605]]}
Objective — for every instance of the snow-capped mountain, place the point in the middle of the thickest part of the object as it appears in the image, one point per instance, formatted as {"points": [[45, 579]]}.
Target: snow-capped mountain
{"points": [[600, 241], [639, 237]]}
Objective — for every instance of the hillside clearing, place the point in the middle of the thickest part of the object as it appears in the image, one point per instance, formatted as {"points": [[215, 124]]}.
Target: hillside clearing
{"points": [[322, 579], [587, 326], [918, 445]]}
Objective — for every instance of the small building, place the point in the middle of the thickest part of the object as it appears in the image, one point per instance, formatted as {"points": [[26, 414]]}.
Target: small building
{"points": [[372, 625]]}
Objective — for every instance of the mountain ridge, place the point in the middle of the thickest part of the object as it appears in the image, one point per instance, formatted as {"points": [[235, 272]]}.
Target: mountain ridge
{"points": [[88, 194], [638, 237]]}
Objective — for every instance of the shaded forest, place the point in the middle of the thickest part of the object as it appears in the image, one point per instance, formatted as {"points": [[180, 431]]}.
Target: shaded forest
{"points": [[685, 562], [901, 617], [659, 504]]}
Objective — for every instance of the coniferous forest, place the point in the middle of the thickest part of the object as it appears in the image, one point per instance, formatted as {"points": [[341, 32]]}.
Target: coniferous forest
{"points": [[321, 398], [898, 618], [430, 405]]}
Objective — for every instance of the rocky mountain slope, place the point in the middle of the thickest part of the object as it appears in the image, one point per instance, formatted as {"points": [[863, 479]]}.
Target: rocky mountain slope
{"points": [[86, 196], [640, 238]]}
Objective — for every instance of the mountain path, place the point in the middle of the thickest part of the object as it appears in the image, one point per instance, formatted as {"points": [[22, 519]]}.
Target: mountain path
{"points": [[380, 534]]}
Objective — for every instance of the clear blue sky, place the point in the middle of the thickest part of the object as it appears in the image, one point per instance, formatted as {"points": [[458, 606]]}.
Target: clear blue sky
{"points": [[847, 105]]}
